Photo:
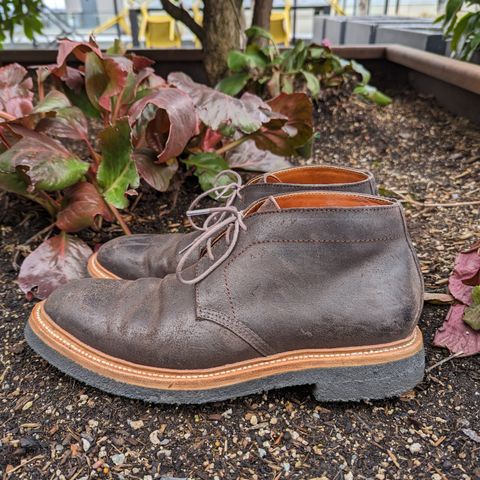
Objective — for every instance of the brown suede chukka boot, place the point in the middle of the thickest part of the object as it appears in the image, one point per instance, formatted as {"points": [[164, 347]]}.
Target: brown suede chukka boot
{"points": [[141, 256], [317, 288]]}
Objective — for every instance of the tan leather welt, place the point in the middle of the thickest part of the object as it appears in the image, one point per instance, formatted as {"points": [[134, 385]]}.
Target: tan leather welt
{"points": [[97, 271], [168, 379]]}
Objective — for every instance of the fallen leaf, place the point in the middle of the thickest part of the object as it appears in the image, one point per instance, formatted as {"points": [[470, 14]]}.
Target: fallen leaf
{"points": [[55, 262]]}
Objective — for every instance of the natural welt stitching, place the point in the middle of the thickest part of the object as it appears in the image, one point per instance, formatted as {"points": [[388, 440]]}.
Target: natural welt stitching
{"points": [[98, 270], [97, 360]]}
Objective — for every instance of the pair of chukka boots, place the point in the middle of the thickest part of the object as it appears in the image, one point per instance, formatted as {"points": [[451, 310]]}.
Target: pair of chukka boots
{"points": [[303, 276]]}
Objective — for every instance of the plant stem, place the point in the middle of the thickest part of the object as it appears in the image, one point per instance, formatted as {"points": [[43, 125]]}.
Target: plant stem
{"points": [[118, 104], [231, 145], [6, 116], [40, 87], [3, 139], [119, 219], [49, 199], [93, 153], [113, 209]]}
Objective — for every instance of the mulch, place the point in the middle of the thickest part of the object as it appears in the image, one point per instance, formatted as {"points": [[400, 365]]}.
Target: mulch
{"points": [[52, 427]]}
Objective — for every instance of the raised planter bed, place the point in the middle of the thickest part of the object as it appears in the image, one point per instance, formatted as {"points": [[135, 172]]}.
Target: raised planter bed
{"points": [[454, 84], [427, 39]]}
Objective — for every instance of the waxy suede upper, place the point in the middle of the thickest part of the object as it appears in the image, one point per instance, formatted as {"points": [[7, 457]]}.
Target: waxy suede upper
{"points": [[298, 278], [156, 255]]}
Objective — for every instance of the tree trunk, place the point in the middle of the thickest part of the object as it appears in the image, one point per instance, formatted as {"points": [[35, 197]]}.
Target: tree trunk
{"points": [[261, 14], [261, 17], [222, 24]]}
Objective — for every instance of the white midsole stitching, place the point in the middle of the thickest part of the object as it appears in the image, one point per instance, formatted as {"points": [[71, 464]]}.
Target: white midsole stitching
{"points": [[120, 368]]}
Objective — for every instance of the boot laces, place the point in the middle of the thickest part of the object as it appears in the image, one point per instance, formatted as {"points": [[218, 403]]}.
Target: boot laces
{"points": [[226, 192], [229, 223]]}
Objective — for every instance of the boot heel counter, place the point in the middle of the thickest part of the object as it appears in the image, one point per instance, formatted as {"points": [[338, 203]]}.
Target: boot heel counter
{"points": [[416, 275]]}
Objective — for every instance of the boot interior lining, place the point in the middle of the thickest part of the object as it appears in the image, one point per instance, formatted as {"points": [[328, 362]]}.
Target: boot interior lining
{"points": [[323, 200], [316, 175]]}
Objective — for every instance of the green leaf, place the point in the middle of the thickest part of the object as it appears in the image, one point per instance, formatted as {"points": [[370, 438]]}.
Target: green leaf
{"points": [[46, 163], [476, 295], [373, 94], [118, 48], [81, 101], [53, 101], [117, 172], [472, 317], [238, 61], [234, 84], [451, 10], [312, 83], [255, 32], [362, 71], [13, 182], [459, 31], [207, 166]]}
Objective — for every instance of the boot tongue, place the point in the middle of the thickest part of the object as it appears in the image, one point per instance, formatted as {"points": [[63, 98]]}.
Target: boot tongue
{"points": [[269, 205]]}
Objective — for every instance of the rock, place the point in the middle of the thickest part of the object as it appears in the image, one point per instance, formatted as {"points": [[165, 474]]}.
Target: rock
{"points": [[135, 424], [118, 459], [92, 423], [154, 437], [86, 445], [415, 448], [254, 420], [472, 434], [262, 452]]}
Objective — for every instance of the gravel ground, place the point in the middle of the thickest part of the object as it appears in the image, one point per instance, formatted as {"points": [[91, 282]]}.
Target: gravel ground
{"points": [[52, 427]]}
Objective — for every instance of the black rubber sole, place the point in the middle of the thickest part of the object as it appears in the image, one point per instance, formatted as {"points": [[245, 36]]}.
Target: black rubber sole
{"points": [[329, 384]]}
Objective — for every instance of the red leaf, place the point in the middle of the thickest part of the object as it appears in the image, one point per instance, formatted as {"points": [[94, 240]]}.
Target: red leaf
{"points": [[82, 204], [247, 156], [55, 262], [220, 111], [210, 140], [456, 335], [174, 122], [15, 91], [69, 122], [466, 274], [283, 138], [78, 49], [106, 78], [140, 62], [157, 176]]}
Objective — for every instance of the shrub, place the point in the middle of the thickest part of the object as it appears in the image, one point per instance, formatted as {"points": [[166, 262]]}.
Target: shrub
{"points": [[147, 129], [266, 71], [462, 30]]}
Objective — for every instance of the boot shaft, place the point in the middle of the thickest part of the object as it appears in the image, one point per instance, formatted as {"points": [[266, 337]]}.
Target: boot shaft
{"points": [[321, 268]]}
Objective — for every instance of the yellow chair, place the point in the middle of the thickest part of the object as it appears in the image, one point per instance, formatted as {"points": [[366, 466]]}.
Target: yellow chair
{"points": [[121, 19], [281, 25], [158, 31]]}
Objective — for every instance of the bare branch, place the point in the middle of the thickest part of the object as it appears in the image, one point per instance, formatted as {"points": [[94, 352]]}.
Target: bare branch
{"points": [[180, 14]]}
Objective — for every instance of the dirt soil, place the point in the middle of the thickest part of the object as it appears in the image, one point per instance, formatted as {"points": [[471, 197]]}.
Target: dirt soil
{"points": [[52, 427]]}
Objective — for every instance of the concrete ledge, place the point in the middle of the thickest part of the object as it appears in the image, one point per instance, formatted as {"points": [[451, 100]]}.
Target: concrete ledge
{"points": [[455, 72]]}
